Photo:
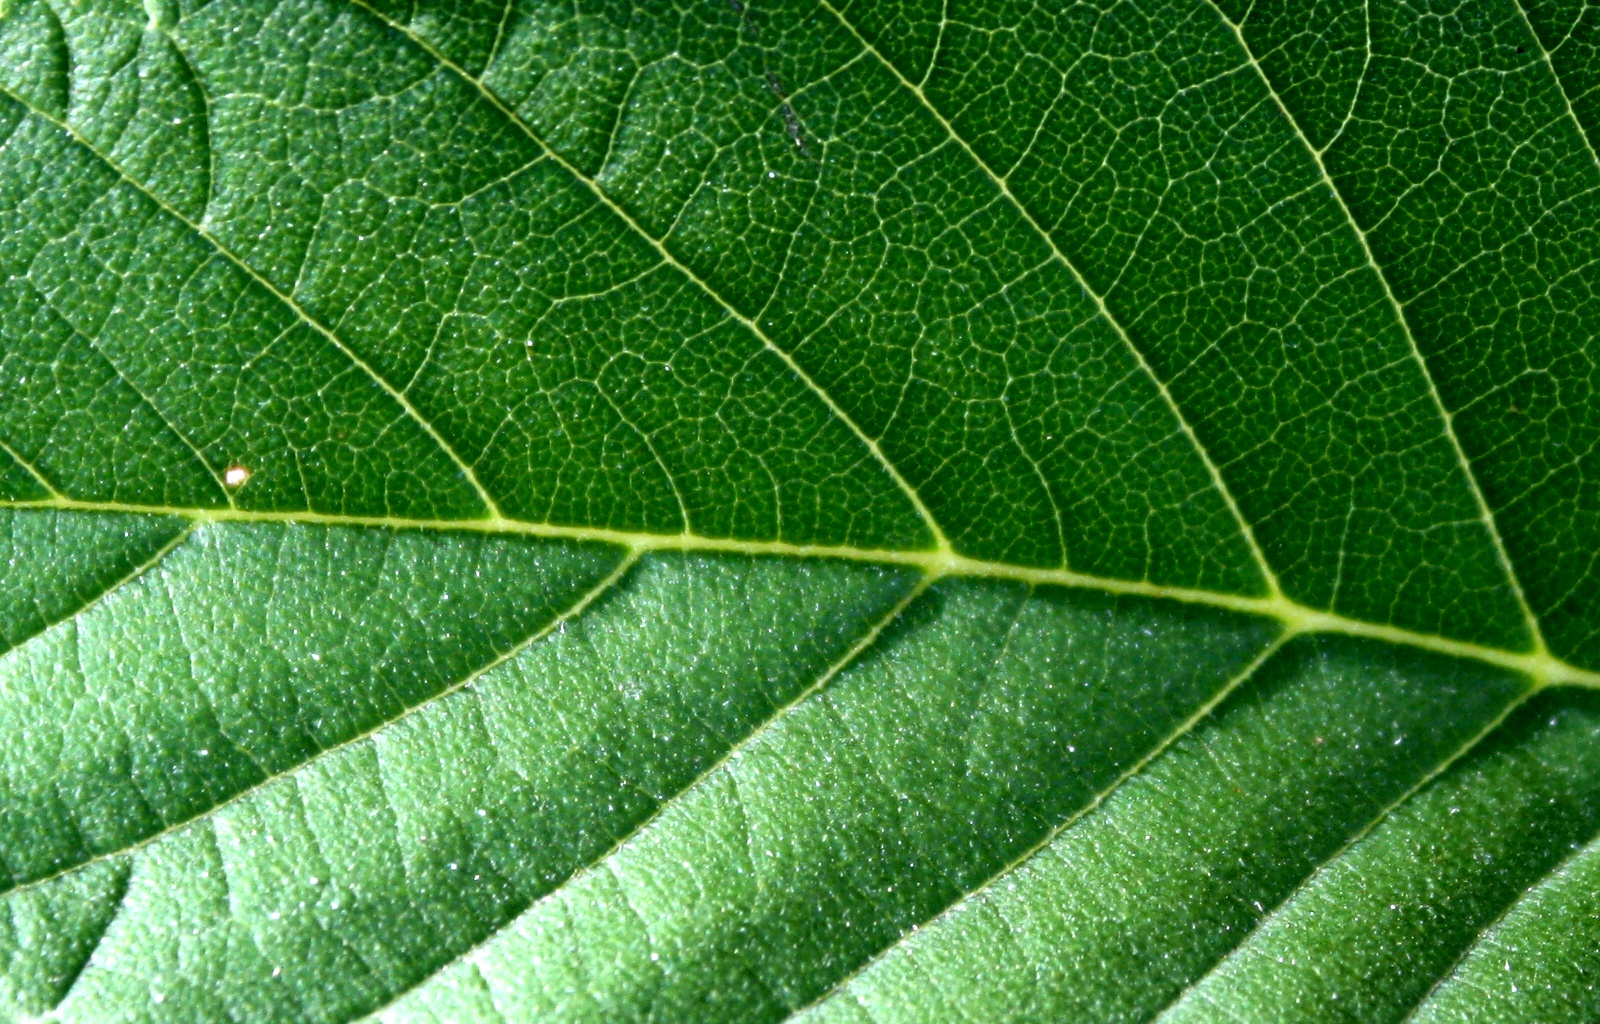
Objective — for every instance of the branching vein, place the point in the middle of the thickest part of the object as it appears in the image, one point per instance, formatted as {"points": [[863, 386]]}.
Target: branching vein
{"points": [[1268, 574], [287, 300], [941, 542], [1446, 417]]}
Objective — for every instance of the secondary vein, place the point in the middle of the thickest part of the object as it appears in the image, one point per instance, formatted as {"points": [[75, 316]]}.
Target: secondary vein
{"points": [[1485, 513], [287, 300], [32, 470], [1263, 566], [1561, 87], [941, 542], [576, 609]]}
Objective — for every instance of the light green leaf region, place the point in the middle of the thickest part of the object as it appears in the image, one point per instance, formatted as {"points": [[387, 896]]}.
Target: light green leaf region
{"points": [[799, 510]]}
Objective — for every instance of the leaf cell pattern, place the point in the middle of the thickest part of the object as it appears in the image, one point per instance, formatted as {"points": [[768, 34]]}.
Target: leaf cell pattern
{"points": [[799, 510]]}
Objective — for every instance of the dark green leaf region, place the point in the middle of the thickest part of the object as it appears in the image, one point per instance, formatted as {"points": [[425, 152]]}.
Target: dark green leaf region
{"points": [[800, 511]]}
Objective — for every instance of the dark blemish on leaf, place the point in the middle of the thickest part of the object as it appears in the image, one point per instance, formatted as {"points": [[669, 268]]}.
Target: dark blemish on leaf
{"points": [[744, 18], [789, 119], [793, 124]]}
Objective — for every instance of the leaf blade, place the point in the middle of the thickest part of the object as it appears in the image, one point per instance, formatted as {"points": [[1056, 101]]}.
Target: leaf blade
{"points": [[808, 353]]}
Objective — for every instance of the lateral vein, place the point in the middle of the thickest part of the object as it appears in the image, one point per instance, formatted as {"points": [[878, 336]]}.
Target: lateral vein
{"points": [[1377, 819], [287, 300], [1493, 924], [1485, 514], [576, 609], [866, 640], [1183, 729], [137, 571], [941, 542], [1262, 565]]}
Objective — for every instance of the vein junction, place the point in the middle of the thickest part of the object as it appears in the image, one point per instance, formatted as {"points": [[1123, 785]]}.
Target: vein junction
{"points": [[1542, 668]]}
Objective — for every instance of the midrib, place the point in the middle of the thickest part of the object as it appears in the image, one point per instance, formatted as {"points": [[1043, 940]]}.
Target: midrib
{"points": [[1295, 618]]}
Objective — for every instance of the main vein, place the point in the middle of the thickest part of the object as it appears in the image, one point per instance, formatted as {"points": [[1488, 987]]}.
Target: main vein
{"points": [[1544, 668]]}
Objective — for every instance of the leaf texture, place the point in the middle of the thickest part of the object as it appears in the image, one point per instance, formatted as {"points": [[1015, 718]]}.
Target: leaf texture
{"points": [[799, 510]]}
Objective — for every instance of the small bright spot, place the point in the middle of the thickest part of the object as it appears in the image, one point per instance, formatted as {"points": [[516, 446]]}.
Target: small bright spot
{"points": [[158, 997], [235, 476]]}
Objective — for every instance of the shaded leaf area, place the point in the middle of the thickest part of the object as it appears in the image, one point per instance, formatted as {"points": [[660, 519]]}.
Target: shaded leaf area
{"points": [[982, 722], [1363, 939], [1366, 938], [1510, 975], [517, 510]]}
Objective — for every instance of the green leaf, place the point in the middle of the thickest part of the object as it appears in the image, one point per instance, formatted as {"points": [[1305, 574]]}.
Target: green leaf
{"points": [[799, 510]]}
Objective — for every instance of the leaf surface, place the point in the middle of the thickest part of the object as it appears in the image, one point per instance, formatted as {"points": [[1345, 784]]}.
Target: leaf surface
{"points": [[799, 511]]}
